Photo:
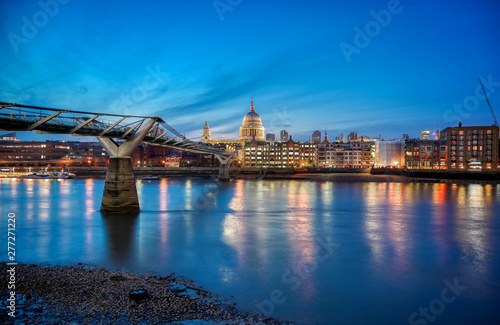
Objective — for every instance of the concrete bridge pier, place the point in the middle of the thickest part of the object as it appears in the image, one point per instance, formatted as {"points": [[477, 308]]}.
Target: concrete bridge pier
{"points": [[224, 167], [120, 192]]}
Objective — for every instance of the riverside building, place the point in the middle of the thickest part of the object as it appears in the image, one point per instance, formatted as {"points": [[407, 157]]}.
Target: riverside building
{"points": [[472, 148], [253, 150], [426, 154]]}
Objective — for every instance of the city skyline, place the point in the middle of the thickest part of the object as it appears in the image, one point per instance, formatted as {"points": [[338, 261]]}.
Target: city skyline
{"points": [[382, 67]]}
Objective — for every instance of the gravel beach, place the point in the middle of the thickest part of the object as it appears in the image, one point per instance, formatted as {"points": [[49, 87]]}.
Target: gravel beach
{"points": [[85, 294]]}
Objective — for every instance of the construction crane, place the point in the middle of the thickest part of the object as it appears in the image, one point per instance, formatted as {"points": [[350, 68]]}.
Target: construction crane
{"points": [[488, 101]]}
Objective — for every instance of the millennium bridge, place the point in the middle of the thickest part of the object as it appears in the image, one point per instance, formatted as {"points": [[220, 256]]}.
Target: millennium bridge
{"points": [[119, 134]]}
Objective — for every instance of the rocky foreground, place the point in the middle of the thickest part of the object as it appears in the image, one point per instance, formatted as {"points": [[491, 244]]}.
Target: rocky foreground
{"points": [[90, 295]]}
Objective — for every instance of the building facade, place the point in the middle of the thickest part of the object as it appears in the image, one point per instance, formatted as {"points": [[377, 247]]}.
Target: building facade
{"points": [[270, 137], [426, 154], [278, 154], [206, 133], [251, 127], [425, 135], [54, 153], [472, 148], [283, 135], [354, 154], [389, 153], [316, 136]]}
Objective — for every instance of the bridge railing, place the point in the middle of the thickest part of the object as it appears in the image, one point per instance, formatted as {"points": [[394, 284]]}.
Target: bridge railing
{"points": [[16, 117]]}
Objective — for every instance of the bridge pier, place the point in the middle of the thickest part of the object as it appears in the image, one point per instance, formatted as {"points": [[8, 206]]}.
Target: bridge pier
{"points": [[120, 192], [224, 167]]}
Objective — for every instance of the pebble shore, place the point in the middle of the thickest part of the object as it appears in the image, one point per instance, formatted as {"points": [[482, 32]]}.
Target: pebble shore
{"points": [[85, 294]]}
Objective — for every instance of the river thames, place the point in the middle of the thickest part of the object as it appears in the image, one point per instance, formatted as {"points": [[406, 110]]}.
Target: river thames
{"points": [[311, 252]]}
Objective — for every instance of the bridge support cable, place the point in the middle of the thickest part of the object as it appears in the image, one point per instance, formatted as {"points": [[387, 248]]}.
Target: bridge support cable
{"points": [[81, 125], [109, 128], [43, 121]]}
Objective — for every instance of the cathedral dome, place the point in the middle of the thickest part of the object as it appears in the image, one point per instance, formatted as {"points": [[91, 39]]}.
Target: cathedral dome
{"points": [[252, 119], [251, 127]]}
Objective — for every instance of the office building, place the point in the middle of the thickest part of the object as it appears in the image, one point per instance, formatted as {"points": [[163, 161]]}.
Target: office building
{"points": [[283, 135], [425, 135], [316, 136]]}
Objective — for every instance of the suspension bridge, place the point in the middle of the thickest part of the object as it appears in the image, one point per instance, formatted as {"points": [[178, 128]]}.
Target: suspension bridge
{"points": [[119, 134]]}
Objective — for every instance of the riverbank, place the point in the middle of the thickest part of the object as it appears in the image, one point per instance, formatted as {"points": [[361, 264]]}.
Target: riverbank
{"points": [[85, 294], [318, 174]]}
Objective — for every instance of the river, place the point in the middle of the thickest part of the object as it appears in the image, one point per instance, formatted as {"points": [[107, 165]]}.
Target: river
{"points": [[312, 252]]}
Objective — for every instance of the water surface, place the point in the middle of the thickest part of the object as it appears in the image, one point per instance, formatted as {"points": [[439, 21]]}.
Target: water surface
{"points": [[307, 251]]}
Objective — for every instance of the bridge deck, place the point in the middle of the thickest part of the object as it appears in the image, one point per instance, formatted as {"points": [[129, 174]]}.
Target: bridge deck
{"points": [[17, 117]]}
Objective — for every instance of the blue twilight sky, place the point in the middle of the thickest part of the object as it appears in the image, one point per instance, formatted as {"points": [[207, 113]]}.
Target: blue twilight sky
{"points": [[375, 67]]}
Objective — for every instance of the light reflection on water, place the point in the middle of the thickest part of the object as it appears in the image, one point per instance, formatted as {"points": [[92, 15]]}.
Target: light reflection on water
{"points": [[396, 243]]}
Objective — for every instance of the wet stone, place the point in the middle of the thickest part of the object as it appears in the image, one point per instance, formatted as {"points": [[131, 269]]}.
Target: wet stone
{"points": [[117, 278], [178, 288], [92, 295], [138, 294]]}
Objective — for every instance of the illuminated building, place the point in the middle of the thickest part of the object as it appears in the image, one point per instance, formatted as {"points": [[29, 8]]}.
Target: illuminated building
{"points": [[270, 137], [425, 154], [55, 153], [253, 151], [425, 135], [9, 137], [283, 135], [278, 154], [78, 154], [473, 148], [316, 136], [206, 133], [389, 153], [251, 127], [353, 154]]}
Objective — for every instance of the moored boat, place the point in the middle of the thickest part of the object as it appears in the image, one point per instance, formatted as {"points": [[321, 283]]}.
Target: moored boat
{"points": [[49, 175], [149, 178]]}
